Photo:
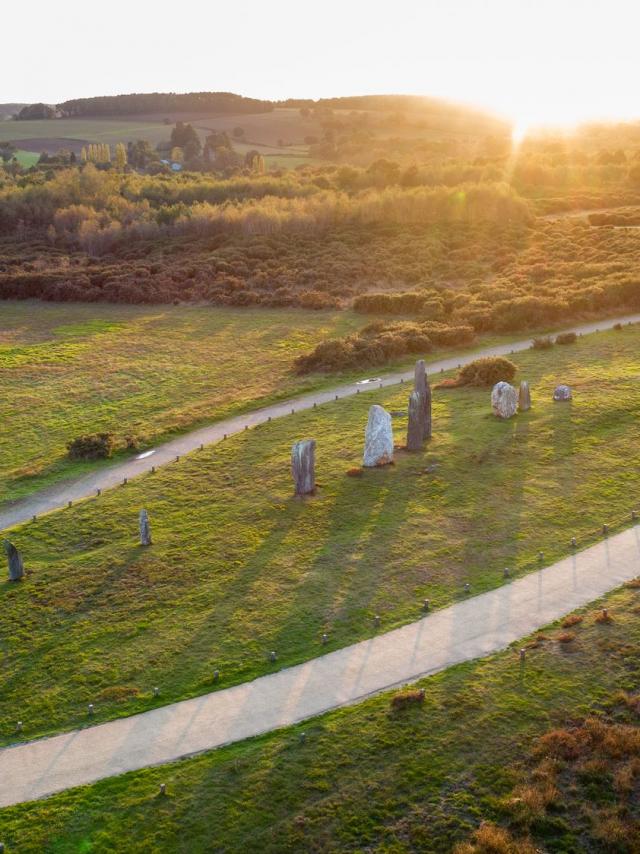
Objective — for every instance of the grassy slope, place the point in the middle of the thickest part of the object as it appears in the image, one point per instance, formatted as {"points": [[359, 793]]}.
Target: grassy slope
{"points": [[70, 369], [238, 567], [94, 130], [261, 129], [366, 778], [27, 158]]}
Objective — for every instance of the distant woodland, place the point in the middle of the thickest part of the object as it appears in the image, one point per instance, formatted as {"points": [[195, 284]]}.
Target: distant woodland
{"points": [[422, 214]]}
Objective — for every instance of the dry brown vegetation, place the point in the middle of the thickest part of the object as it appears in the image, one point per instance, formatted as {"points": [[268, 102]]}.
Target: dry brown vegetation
{"points": [[588, 770], [491, 839], [438, 231]]}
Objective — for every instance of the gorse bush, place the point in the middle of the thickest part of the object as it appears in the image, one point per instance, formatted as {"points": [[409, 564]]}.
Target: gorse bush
{"points": [[408, 303], [566, 338], [487, 371], [405, 699], [379, 343], [97, 446]]}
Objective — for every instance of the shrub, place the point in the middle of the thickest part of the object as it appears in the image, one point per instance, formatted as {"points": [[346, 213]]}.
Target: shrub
{"points": [[566, 637], [374, 345], [354, 472], [407, 698], [561, 744], [98, 446], [542, 343], [491, 839], [450, 382], [487, 371], [572, 620], [408, 303], [566, 338]]}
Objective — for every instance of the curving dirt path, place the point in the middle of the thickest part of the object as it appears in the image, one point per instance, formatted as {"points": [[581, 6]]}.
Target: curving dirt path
{"points": [[59, 495], [468, 629]]}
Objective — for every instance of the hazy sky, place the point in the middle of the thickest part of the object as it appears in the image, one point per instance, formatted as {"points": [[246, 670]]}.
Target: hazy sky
{"points": [[555, 60]]}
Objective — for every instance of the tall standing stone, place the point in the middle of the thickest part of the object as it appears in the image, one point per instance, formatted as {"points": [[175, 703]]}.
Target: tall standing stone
{"points": [[524, 397], [14, 558], [303, 466], [145, 529], [504, 400], [378, 438], [421, 385], [415, 427]]}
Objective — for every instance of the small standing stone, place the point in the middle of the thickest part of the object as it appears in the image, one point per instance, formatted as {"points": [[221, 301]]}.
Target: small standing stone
{"points": [[562, 392], [415, 427], [145, 529], [524, 397], [303, 466], [504, 400], [14, 558], [378, 438], [421, 385]]}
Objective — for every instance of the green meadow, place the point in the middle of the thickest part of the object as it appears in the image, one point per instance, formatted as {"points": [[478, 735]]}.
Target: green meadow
{"points": [[139, 372], [239, 567], [368, 778]]}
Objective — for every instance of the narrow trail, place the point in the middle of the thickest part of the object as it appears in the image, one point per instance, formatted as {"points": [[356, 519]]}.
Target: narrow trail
{"points": [[59, 495], [468, 629]]}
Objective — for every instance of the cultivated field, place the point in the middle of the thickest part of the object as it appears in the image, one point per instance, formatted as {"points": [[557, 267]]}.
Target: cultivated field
{"points": [[53, 132], [238, 567], [265, 131]]}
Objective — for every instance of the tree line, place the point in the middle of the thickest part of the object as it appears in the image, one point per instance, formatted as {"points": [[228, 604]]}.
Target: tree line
{"points": [[156, 102]]}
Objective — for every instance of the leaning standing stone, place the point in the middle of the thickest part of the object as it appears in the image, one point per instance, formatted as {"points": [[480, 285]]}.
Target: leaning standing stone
{"points": [[145, 529], [421, 385], [303, 466], [524, 397], [378, 438], [504, 400], [415, 428], [16, 568], [562, 392]]}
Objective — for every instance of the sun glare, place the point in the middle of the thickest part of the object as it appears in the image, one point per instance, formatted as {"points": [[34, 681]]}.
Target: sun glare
{"points": [[518, 133]]}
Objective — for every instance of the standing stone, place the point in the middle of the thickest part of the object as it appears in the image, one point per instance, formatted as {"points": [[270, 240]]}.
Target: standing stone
{"points": [[16, 568], [415, 428], [145, 529], [562, 392], [524, 397], [421, 385], [504, 400], [303, 466], [378, 438]]}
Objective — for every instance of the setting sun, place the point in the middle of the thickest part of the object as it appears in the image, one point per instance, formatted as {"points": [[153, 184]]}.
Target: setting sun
{"points": [[545, 62]]}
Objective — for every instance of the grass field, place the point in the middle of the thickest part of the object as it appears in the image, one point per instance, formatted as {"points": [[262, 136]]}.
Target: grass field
{"points": [[369, 779], [27, 158], [110, 130], [264, 131], [69, 369], [238, 567]]}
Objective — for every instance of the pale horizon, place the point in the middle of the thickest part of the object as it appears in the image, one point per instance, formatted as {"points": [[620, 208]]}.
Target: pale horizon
{"points": [[530, 63]]}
